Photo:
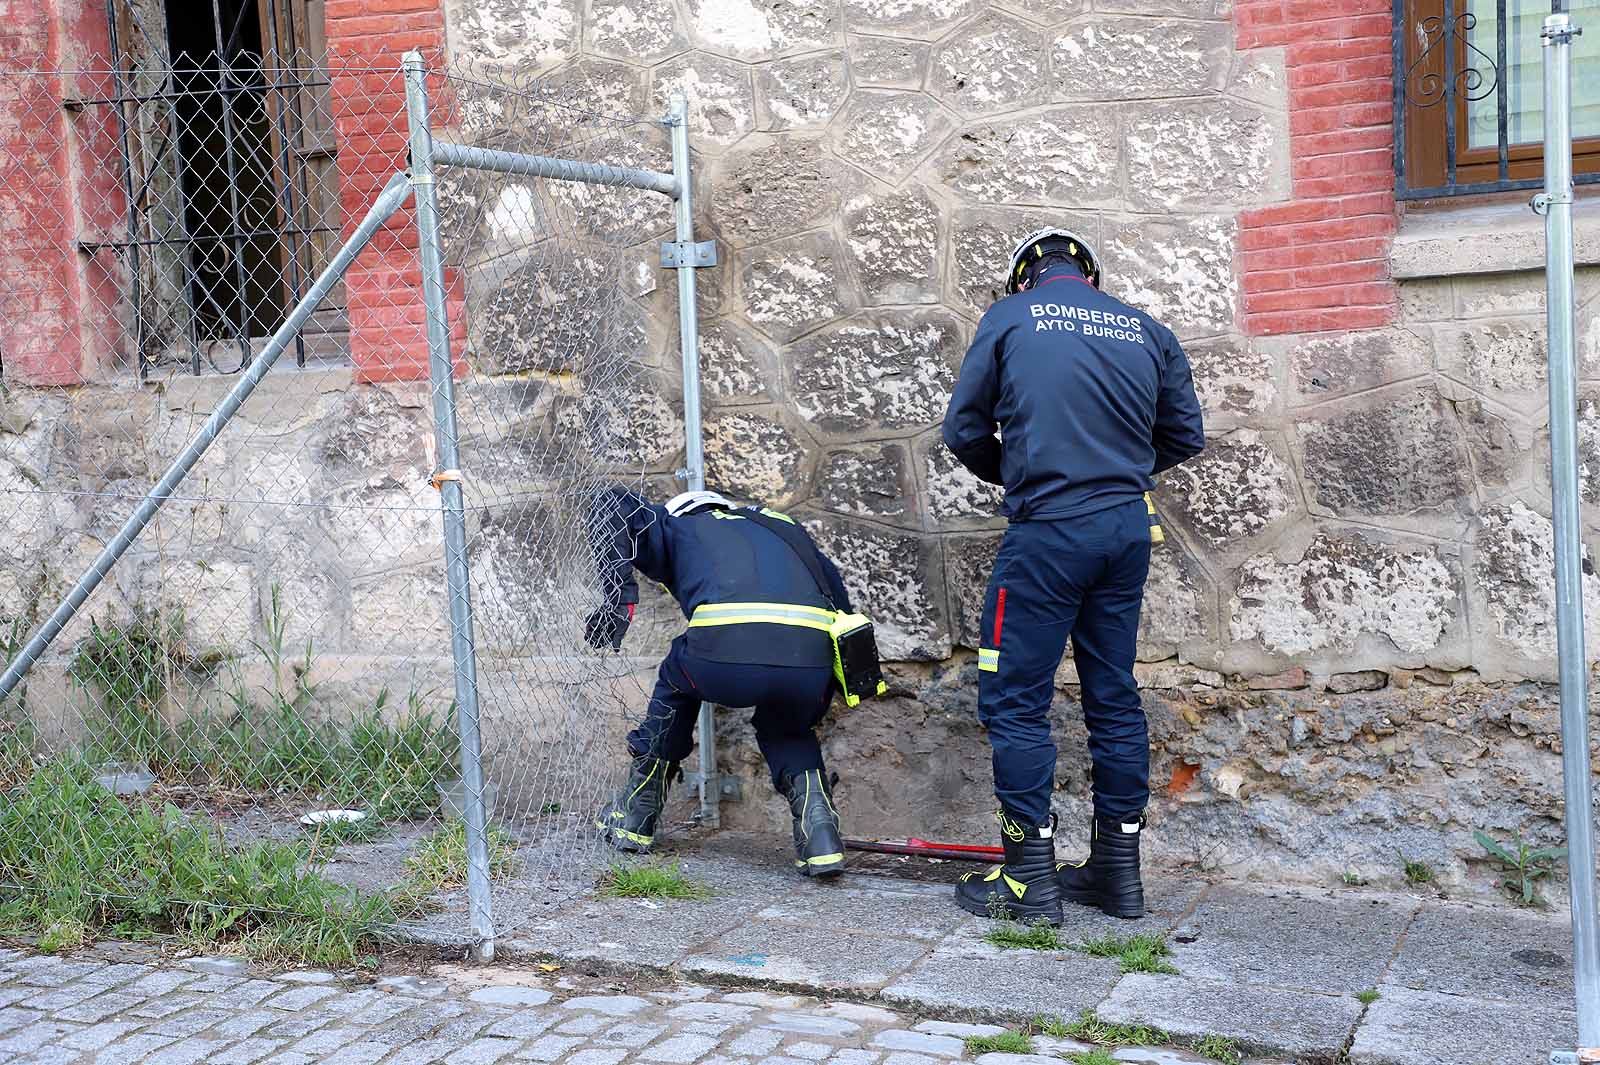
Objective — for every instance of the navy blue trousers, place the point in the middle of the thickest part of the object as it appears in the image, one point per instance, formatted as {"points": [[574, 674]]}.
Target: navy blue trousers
{"points": [[788, 702], [1081, 578]]}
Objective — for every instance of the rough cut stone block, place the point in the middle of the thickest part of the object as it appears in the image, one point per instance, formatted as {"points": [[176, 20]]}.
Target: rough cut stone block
{"points": [[1124, 58], [755, 457], [1233, 378], [1179, 272], [888, 62], [1214, 153], [893, 241], [797, 93], [1392, 456], [1328, 366], [968, 562], [873, 481], [876, 372], [954, 493], [1406, 1027], [1294, 1022], [995, 64], [1072, 154], [1235, 489], [907, 18], [1363, 680], [505, 31], [543, 315], [1488, 951], [1513, 559], [746, 29], [734, 364], [887, 133], [1342, 588], [1502, 449], [793, 286], [640, 31], [1178, 602], [1504, 359], [722, 99], [779, 186], [939, 1046], [1058, 985], [893, 579]]}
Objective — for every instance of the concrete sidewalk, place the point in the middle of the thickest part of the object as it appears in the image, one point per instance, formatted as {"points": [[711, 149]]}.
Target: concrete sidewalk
{"points": [[1283, 972]]}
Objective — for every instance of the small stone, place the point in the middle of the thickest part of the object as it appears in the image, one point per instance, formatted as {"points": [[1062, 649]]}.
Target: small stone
{"points": [[308, 977], [812, 1024], [610, 1005], [1288, 680], [524, 1024], [548, 1048], [250, 1051], [679, 1050], [412, 985], [187, 1052], [97, 1036], [636, 1035], [904, 1057], [865, 1014], [855, 1056], [808, 1051], [299, 998], [220, 966], [712, 1011], [943, 1046], [760, 1041], [482, 1052], [1365, 680], [510, 996], [584, 1024], [597, 1056]]}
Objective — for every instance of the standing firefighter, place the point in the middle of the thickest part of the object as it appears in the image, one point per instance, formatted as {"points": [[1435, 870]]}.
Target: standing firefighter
{"points": [[1091, 398], [761, 600]]}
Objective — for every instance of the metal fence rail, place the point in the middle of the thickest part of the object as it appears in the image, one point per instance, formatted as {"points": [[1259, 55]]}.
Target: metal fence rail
{"points": [[360, 584]]}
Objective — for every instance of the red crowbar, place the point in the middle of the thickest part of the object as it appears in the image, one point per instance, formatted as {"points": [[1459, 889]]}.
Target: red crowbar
{"points": [[921, 848]]}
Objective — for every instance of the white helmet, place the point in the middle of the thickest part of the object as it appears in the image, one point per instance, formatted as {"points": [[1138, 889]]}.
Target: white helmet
{"points": [[689, 502], [1051, 240]]}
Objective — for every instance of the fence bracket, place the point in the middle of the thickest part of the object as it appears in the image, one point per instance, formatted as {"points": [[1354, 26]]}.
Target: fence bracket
{"points": [[676, 254]]}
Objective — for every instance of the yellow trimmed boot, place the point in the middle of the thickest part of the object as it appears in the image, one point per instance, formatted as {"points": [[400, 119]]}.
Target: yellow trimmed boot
{"points": [[818, 847], [628, 822], [1109, 877], [1025, 888]]}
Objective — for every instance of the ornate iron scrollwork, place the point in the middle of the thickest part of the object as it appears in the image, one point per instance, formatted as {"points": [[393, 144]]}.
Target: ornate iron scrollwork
{"points": [[1426, 87]]}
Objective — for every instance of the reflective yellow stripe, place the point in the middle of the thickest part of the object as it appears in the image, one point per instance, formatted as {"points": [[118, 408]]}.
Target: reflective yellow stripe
{"points": [[1156, 535], [805, 617], [825, 859], [775, 514], [989, 659]]}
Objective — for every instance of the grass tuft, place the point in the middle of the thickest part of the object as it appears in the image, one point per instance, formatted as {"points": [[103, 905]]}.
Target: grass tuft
{"points": [[1145, 953], [1219, 1048], [136, 870], [1367, 997], [440, 859], [1097, 1056], [1092, 1029], [1417, 873], [650, 881], [1004, 1043], [1009, 935]]}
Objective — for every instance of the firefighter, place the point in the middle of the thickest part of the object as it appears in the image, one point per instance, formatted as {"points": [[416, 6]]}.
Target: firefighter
{"points": [[1091, 398], [757, 637]]}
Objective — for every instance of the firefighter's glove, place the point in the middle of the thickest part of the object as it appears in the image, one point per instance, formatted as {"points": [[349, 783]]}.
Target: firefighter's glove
{"points": [[608, 625]]}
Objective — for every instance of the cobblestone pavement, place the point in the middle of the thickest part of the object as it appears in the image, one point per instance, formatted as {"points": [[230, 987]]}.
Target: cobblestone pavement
{"points": [[124, 1006]]}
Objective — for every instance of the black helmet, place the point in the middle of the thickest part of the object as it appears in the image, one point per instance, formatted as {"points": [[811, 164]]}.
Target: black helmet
{"points": [[1042, 243]]}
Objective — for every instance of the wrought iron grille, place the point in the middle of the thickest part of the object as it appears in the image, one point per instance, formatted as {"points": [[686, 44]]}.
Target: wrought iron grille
{"points": [[1468, 98], [227, 165]]}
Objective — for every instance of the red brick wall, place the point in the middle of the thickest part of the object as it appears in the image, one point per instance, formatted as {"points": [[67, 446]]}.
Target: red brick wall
{"points": [[1321, 261], [366, 40], [58, 304]]}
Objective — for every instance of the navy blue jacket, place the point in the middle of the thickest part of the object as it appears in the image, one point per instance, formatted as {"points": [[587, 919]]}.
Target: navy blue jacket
{"points": [[1092, 399], [713, 558]]}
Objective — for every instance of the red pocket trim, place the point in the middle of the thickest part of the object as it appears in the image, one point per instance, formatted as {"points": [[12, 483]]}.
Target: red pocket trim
{"points": [[999, 615]]}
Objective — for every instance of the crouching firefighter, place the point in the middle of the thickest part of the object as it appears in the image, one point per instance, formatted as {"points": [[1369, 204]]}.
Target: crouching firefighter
{"points": [[770, 627], [1091, 398]]}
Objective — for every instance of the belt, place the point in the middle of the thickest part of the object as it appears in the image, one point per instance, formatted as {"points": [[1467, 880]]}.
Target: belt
{"points": [[805, 617]]}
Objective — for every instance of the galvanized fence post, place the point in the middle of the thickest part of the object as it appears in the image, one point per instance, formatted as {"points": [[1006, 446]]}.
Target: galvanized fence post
{"points": [[448, 478], [1555, 203], [686, 257]]}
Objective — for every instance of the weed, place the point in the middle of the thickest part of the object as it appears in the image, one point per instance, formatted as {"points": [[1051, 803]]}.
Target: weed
{"points": [[1092, 1029], [16, 752], [440, 860], [1367, 997], [337, 833], [138, 871], [1523, 868], [1009, 935], [1046, 1024], [650, 882], [1351, 878], [1096, 1056], [1140, 954], [125, 669], [1004, 1043], [1417, 873], [1219, 1048]]}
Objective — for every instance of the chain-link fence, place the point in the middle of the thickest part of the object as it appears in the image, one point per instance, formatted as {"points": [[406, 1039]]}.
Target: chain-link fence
{"points": [[350, 573]]}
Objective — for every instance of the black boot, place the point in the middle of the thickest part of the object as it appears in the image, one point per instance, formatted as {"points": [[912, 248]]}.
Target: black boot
{"points": [[1024, 888], [628, 822], [1109, 877], [818, 848]]}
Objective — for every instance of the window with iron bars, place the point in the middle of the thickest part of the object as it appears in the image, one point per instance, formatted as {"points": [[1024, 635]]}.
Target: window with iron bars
{"points": [[1469, 95], [228, 162]]}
